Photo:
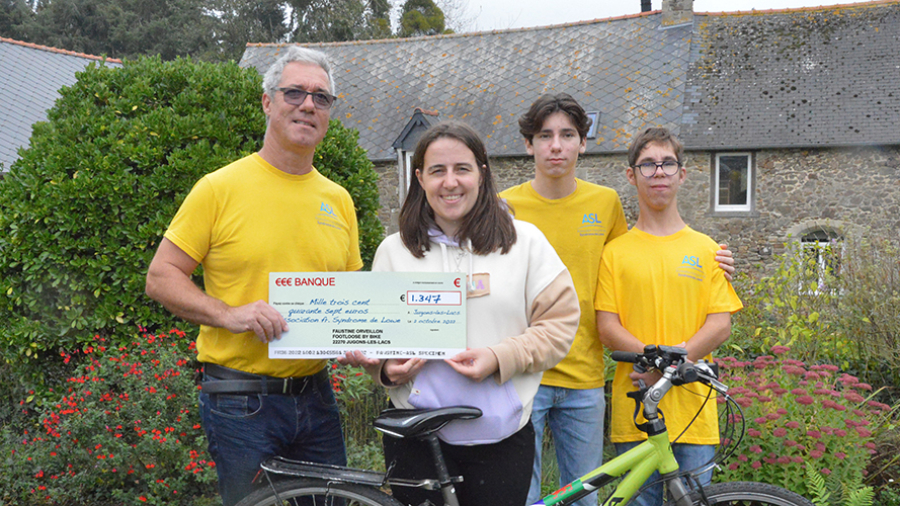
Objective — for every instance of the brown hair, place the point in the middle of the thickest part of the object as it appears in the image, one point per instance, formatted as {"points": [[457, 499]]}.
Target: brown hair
{"points": [[532, 121], [655, 135], [488, 225]]}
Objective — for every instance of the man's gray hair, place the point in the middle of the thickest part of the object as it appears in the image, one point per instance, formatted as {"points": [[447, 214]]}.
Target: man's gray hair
{"points": [[301, 55]]}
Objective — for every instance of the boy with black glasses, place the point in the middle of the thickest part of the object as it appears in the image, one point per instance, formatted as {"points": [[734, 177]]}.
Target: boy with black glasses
{"points": [[659, 284]]}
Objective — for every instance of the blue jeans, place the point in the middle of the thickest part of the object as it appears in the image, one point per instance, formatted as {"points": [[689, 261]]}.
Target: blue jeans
{"points": [[688, 456], [576, 425], [243, 430]]}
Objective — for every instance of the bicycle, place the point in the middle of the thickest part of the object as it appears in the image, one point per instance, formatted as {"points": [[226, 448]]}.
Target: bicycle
{"points": [[291, 482]]}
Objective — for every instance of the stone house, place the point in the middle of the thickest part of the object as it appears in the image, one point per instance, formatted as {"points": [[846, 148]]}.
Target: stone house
{"points": [[789, 117], [30, 79]]}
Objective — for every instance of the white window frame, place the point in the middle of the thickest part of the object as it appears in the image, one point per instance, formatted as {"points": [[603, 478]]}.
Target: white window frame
{"points": [[404, 161], [817, 246], [748, 206]]}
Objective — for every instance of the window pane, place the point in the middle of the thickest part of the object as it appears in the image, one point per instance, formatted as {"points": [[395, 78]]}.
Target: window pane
{"points": [[733, 180]]}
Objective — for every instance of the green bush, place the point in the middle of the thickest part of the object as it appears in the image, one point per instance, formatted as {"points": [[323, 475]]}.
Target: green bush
{"points": [[124, 428], [805, 424], [845, 313], [83, 210]]}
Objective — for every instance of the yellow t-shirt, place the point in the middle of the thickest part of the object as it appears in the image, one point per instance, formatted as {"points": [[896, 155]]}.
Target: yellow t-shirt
{"points": [[577, 226], [248, 219], [663, 288]]}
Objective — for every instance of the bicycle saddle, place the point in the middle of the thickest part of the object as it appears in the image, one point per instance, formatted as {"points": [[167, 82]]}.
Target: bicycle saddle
{"points": [[421, 422]]}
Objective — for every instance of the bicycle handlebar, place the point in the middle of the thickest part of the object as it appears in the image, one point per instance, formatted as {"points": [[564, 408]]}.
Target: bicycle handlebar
{"points": [[664, 357]]}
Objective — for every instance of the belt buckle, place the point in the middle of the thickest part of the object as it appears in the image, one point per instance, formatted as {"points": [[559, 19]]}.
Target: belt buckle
{"points": [[287, 386]]}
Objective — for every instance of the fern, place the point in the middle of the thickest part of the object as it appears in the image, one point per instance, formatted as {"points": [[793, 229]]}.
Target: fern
{"points": [[860, 497], [815, 483]]}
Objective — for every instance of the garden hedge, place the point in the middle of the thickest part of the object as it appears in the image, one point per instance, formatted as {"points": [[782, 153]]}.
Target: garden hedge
{"points": [[84, 208]]}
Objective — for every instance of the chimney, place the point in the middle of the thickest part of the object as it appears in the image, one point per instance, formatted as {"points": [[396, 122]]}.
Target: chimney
{"points": [[645, 6], [677, 12]]}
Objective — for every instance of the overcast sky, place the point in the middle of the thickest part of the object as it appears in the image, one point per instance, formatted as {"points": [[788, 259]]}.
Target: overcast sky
{"points": [[503, 14]]}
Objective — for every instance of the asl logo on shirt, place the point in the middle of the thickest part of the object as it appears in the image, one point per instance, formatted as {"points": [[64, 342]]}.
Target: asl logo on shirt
{"points": [[327, 216], [591, 225], [690, 268], [325, 208]]}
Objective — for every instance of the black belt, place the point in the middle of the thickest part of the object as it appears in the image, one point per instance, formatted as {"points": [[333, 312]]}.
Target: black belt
{"points": [[232, 381]]}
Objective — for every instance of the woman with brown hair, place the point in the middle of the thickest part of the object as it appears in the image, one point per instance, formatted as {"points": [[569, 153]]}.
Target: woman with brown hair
{"points": [[522, 313]]}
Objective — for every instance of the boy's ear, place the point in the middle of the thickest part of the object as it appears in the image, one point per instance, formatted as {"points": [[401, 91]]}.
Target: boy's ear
{"points": [[528, 147], [629, 174]]}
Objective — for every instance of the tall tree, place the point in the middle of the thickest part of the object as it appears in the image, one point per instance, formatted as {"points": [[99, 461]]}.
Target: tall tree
{"points": [[378, 19], [328, 20], [16, 16], [238, 22], [121, 28], [421, 17]]}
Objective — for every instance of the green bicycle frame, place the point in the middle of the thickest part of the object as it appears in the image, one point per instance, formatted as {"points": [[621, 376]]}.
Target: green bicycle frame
{"points": [[640, 462]]}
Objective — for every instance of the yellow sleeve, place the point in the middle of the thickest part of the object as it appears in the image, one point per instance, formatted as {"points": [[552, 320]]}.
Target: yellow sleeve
{"points": [[620, 226], [605, 299], [192, 227]]}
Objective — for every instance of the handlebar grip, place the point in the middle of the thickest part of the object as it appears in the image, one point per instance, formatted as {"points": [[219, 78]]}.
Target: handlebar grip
{"points": [[624, 356]]}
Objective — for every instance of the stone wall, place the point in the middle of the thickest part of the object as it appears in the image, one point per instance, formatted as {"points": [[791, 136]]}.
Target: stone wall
{"points": [[844, 190]]}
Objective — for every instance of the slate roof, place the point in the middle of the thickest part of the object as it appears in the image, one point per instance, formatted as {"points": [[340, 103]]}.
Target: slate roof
{"points": [[800, 78], [825, 76], [629, 69], [30, 79]]}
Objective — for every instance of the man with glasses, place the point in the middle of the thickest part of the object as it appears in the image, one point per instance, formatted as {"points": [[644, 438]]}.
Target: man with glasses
{"points": [[578, 218], [659, 284], [269, 212]]}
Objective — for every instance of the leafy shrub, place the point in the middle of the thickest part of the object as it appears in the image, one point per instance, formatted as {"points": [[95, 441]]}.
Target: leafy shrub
{"points": [[85, 207], [360, 401], [802, 417], [845, 314], [125, 429]]}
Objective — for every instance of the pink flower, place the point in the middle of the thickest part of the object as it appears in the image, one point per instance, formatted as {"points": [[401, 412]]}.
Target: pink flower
{"points": [[753, 433], [743, 458], [773, 416], [781, 411], [797, 460], [863, 386], [760, 420], [780, 350], [784, 460], [744, 402], [840, 433], [732, 466], [853, 397], [780, 432], [756, 449], [792, 425], [840, 455], [756, 464], [805, 400], [816, 454], [847, 379], [790, 443], [794, 370], [863, 432], [826, 471], [814, 434], [798, 391]]}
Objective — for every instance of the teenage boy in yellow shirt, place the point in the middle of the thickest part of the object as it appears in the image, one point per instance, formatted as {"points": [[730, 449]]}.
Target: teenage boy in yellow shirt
{"points": [[658, 284]]}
